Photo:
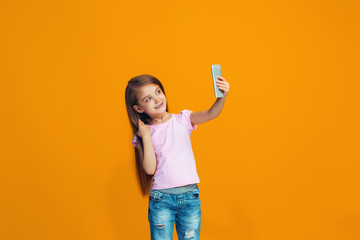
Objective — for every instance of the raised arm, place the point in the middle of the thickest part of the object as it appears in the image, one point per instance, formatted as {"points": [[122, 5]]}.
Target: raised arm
{"points": [[214, 111], [149, 158]]}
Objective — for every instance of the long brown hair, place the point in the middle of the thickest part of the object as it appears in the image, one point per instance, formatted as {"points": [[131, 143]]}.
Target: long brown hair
{"points": [[131, 99]]}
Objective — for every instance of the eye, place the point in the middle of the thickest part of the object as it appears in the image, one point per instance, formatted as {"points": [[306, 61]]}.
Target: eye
{"points": [[148, 99], [158, 91]]}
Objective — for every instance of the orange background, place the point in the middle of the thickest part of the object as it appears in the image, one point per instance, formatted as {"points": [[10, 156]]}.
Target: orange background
{"points": [[280, 162]]}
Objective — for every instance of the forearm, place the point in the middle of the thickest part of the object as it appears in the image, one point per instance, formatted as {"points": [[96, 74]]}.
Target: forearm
{"points": [[216, 108], [149, 158], [207, 115]]}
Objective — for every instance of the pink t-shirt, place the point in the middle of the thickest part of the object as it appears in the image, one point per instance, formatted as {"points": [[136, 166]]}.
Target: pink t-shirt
{"points": [[175, 162]]}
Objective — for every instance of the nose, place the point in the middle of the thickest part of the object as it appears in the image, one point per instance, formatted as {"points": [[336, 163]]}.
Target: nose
{"points": [[157, 99]]}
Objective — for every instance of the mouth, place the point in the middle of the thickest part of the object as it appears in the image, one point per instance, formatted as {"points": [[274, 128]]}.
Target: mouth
{"points": [[159, 106]]}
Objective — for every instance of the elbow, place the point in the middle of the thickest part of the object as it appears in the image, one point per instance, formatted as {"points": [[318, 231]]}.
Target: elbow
{"points": [[150, 172], [211, 117], [149, 164]]}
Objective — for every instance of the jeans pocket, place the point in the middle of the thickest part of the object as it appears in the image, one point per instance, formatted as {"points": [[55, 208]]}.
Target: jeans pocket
{"points": [[195, 193], [156, 196]]}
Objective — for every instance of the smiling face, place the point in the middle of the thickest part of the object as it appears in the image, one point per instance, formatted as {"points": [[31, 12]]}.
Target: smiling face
{"points": [[151, 100]]}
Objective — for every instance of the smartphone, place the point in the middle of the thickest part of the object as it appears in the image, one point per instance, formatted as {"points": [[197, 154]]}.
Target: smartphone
{"points": [[216, 71]]}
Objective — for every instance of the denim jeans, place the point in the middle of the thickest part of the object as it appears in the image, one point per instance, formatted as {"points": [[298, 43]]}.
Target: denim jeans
{"points": [[183, 209]]}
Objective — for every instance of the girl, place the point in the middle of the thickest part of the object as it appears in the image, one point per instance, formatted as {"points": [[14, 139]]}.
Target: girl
{"points": [[164, 156]]}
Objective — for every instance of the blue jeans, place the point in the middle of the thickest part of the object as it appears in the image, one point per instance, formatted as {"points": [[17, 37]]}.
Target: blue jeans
{"points": [[165, 209]]}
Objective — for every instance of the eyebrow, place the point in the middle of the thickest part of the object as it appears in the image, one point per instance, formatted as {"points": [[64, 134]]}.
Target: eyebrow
{"points": [[148, 95]]}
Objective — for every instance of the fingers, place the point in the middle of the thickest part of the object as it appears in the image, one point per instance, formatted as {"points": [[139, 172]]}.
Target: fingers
{"points": [[140, 123], [223, 88], [222, 84], [221, 78]]}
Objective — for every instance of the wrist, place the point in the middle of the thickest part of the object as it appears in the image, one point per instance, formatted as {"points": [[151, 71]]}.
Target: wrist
{"points": [[146, 136]]}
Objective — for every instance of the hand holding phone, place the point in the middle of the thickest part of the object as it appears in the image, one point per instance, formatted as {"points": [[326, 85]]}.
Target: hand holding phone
{"points": [[216, 72]]}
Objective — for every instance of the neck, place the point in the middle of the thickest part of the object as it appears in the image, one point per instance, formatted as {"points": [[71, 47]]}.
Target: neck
{"points": [[163, 117]]}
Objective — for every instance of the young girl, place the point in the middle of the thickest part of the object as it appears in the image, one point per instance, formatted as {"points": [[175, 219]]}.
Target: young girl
{"points": [[164, 156]]}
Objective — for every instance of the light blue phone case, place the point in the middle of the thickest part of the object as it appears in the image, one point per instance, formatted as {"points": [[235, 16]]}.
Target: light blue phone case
{"points": [[216, 71]]}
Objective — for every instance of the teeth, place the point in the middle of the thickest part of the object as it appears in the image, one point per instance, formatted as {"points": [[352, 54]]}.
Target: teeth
{"points": [[157, 107]]}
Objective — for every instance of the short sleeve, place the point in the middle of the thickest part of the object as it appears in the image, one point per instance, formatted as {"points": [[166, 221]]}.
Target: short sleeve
{"points": [[135, 139], [185, 116]]}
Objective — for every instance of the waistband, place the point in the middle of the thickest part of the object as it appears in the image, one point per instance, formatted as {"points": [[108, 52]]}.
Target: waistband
{"points": [[178, 190]]}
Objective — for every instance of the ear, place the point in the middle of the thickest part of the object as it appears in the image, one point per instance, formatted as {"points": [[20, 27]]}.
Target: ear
{"points": [[138, 109]]}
